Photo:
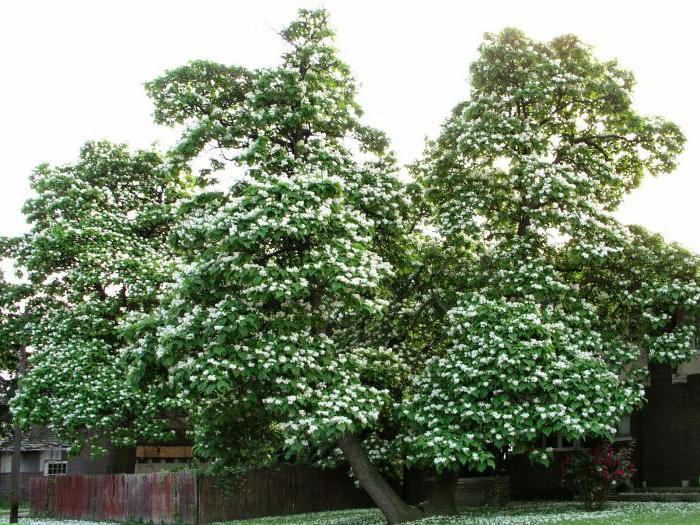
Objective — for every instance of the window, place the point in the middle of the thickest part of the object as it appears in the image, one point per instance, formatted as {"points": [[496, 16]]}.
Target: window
{"points": [[624, 429], [559, 443], [55, 468]]}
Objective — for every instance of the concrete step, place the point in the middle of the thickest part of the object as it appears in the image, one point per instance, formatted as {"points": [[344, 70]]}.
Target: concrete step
{"points": [[674, 490], [679, 496]]}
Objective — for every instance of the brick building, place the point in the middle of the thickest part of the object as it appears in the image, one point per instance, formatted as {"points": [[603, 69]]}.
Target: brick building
{"points": [[666, 432], [667, 429]]}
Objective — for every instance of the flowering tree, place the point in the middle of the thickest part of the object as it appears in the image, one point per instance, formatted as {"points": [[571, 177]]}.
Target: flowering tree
{"points": [[13, 336], [12, 322], [528, 169], [257, 333], [647, 291], [95, 252], [320, 303]]}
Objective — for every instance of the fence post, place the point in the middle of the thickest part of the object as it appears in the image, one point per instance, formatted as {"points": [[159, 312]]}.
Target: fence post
{"points": [[196, 498]]}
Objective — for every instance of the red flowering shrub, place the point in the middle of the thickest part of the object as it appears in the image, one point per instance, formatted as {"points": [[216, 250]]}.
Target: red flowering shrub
{"points": [[592, 473]]}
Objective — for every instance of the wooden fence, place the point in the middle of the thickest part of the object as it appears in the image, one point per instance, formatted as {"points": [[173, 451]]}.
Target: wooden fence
{"points": [[185, 498], [6, 484]]}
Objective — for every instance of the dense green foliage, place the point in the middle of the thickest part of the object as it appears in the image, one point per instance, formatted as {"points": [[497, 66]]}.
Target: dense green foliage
{"points": [[528, 170], [256, 332], [446, 322], [12, 321], [13, 338], [95, 253]]}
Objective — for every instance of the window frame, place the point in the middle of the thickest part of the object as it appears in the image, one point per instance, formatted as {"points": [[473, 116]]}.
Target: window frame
{"points": [[55, 463], [624, 437], [560, 446]]}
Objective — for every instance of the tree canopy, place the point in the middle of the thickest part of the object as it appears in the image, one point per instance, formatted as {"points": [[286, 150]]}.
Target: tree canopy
{"points": [[528, 169], [94, 254], [280, 268], [321, 304]]}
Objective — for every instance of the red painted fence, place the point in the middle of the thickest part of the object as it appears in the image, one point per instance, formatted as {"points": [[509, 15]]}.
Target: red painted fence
{"points": [[184, 498], [157, 498]]}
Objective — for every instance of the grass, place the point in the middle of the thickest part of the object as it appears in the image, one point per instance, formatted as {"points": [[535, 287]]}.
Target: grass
{"points": [[622, 513], [540, 513]]}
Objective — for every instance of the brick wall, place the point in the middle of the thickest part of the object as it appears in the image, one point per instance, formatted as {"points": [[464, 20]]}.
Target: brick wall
{"points": [[667, 430]]}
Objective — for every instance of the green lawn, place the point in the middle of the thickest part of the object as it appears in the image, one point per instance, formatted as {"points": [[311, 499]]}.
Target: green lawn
{"points": [[522, 514]]}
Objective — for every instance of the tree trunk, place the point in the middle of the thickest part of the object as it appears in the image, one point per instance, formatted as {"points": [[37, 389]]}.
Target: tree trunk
{"points": [[441, 498], [384, 496], [16, 476]]}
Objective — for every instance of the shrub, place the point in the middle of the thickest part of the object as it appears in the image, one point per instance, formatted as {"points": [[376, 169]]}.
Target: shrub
{"points": [[592, 473]]}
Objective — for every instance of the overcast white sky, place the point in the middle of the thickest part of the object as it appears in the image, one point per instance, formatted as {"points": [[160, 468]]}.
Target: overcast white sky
{"points": [[73, 71]]}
